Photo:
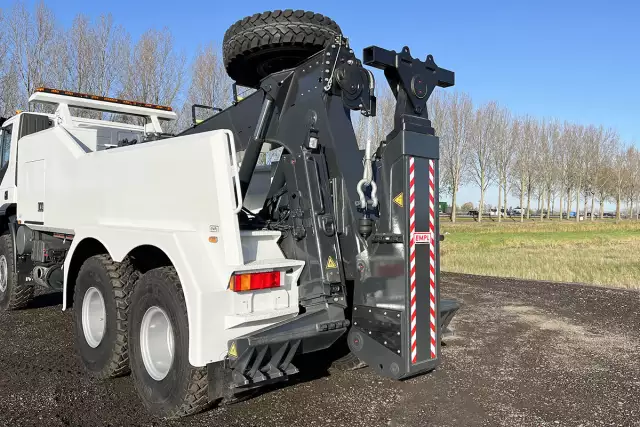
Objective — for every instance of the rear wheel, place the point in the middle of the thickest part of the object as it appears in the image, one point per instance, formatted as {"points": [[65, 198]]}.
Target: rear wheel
{"points": [[15, 291], [159, 337], [268, 42], [101, 300]]}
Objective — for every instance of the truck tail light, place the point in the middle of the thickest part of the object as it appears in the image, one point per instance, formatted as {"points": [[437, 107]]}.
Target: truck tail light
{"points": [[254, 281]]}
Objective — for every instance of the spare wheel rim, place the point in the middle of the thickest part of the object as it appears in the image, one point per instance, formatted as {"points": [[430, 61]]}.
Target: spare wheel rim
{"points": [[94, 317], [157, 342]]}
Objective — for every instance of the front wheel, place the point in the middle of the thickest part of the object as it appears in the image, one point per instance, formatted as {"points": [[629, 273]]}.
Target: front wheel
{"points": [[159, 347], [15, 291]]}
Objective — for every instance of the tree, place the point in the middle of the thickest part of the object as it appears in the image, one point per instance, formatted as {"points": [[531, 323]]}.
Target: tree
{"points": [[484, 133], [619, 178], [545, 166], [111, 54], [601, 155], [154, 72], [466, 207], [503, 155], [439, 114], [30, 41], [385, 113], [209, 85], [455, 141], [631, 168], [521, 162], [530, 158], [553, 165]]}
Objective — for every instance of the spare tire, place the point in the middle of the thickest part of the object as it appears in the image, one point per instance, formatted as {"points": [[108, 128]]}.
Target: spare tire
{"points": [[268, 42]]}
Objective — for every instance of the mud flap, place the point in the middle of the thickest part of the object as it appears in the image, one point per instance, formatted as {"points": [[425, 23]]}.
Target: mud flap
{"points": [[396, 314]]}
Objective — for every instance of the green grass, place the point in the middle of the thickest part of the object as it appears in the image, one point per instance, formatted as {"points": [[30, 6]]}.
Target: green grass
{"points": [[603, 253]]}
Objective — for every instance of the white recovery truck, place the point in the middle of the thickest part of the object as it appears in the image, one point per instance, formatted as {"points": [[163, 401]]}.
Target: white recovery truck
{"points": [[171, 278]]}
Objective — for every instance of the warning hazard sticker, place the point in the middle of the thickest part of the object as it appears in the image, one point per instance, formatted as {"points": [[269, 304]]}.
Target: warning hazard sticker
{"points": [[421, 238], [331, 263], [233, 351], [399, 200]]}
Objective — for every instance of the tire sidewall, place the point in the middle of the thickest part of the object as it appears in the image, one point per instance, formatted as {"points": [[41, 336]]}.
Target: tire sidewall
{"points": [[7, 251], [154, 290], [93, 274]]}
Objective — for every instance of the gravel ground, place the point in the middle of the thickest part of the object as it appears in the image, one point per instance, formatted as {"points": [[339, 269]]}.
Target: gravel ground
{"points": [[524, 354]]}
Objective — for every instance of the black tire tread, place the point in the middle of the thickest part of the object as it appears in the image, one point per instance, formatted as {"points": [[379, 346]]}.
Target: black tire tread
{"points": [[21, 293], [122, 276], [195, 396], [295, 28]]}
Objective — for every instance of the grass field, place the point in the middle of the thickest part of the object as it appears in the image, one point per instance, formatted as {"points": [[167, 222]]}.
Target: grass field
{"points": [[603, 253]]}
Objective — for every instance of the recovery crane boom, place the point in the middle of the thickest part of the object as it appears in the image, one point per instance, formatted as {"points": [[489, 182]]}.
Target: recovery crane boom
{"points": [[371, 263]]}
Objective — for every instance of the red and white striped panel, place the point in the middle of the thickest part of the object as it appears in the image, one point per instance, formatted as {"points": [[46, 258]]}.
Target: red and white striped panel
{"points": [[412, 258], [432, 260]]}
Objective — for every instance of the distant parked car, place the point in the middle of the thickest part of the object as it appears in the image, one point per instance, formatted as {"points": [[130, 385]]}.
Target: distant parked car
{"points": [[609, 215], [494, 212]]}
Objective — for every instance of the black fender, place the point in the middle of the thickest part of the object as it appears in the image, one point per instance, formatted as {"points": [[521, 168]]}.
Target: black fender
{"points": [[7, 214], [13, 229]]}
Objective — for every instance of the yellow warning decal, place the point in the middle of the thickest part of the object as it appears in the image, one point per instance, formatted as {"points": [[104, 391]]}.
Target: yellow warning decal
{"points": [[233, 351], [399, 200], [331, 263]]}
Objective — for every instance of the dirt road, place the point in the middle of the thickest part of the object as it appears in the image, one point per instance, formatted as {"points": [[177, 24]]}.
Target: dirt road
{"points": [[524, 354]]}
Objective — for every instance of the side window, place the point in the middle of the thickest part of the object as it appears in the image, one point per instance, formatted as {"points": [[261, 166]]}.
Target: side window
{"points": [[6, 147]]}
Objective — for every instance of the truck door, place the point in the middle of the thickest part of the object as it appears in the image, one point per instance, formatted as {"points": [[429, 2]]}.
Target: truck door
{"points": [[7, 173]]}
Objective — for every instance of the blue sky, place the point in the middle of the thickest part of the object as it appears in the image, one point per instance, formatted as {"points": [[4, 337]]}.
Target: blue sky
{"points": [[573, 60]]}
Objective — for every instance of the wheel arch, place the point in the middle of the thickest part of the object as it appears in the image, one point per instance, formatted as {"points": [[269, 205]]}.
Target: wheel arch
{"points": [[7, 211], [144, 257], [79, 252]]}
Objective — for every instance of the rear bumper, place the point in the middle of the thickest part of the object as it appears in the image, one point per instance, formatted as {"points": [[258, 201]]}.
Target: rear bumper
{"points": [[266, 355]]}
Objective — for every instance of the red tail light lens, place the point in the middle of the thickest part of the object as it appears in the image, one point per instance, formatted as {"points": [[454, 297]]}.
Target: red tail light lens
{"points": [[254, 281]]}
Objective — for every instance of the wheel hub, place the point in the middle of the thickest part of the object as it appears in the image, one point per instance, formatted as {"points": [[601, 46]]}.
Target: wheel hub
{"points": [[94, 316], [157, 342], [4, 272]]}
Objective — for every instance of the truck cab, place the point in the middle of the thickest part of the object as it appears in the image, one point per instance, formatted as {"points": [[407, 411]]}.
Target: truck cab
{"points": [[11, 131]]}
